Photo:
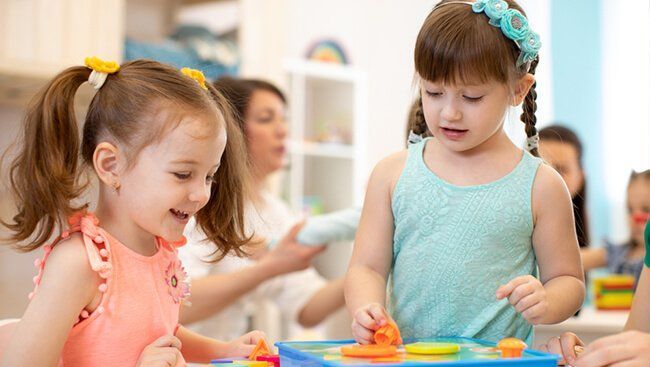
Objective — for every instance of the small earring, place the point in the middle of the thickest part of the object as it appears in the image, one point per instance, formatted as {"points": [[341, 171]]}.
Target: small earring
{"points": [[116, 187]]}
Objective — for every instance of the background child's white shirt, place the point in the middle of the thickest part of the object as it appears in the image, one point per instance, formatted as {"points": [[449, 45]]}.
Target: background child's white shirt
{"points": [[287, 293]]}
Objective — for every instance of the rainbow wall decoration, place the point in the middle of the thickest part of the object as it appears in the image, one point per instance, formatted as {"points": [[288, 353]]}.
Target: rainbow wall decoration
{"points": [[327, 51]]}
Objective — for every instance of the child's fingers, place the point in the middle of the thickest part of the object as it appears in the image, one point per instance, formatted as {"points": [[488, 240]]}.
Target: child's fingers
{"points": [[521, 292], [363, 318], [605, 356], [620, 338], [568, 342], [533, 314], [162, 356], [378, 313], [167, 341], [505, 290], [253, 337], [526, 303], [362, 334]]}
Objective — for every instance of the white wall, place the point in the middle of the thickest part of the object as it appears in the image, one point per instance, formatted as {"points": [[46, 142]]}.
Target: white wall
{"points": [[379, 37], [626, 93]]}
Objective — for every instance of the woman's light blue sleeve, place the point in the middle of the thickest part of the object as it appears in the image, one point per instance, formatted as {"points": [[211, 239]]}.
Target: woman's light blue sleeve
{"points": [[331, 227]]}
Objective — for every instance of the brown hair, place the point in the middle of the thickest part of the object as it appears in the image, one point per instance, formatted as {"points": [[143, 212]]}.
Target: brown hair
{"points": [[47, 173], [239, 91], [456, 45], [565, 135]]}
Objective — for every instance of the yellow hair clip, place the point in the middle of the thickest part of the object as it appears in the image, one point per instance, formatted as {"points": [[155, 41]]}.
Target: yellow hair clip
{"points": [[196, 75], [101, 69], [101, 66]]}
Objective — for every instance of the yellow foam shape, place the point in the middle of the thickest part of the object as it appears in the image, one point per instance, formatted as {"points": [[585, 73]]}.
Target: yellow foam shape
{"points": [[432, 348]]}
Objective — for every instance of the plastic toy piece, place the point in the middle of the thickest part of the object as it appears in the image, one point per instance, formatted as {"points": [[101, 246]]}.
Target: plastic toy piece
{"points": [[261, 349], [432, 348], [271, 359], [387, 360], [251, 363], [388, 334], [511, 347], [369, 351]]}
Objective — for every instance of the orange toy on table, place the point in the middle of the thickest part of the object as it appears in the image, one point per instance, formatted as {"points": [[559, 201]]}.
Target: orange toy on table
{"points": [[386, 339], [369, 351], [511, 347], [388, 334], [261, 349]]}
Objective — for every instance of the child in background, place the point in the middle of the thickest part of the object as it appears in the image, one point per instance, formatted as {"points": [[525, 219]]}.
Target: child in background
{"points": [[629, 348], [458, 223], [561, 148], [110, 286], [626, 258]]}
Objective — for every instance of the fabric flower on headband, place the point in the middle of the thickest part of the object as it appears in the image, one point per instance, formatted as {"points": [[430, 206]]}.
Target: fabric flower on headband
{"points": [[529, 48], [493, 9], [513, 24]]}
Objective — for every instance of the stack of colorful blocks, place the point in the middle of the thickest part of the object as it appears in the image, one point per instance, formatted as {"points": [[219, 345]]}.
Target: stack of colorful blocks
{"points": [[261, 357], [614, 292]]}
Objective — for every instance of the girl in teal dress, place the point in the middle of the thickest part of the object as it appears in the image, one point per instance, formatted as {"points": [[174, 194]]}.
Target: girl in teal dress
{"points": [[464, 233]]}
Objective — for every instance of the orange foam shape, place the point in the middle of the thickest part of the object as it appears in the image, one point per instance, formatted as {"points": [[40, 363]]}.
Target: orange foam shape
{"points": [[387, 334], [369, 351], [261, 349]]}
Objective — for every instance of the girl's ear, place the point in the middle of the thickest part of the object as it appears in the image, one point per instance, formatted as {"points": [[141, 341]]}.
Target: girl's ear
{"points": [[522, 86], [106, 161]]}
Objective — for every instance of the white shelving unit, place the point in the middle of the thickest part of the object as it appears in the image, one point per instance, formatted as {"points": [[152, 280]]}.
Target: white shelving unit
{"points": [[329, 165], [327, 134]]}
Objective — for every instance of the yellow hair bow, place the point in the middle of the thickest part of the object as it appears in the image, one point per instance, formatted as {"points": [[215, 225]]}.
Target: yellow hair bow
{"points": [[196, 75], [101, 66]]}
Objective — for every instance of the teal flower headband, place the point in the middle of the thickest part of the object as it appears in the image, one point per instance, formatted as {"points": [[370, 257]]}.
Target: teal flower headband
{"points": [[513, 24]]}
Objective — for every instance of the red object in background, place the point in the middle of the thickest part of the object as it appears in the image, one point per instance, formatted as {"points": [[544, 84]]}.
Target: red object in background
{"points": [[640, 217]]}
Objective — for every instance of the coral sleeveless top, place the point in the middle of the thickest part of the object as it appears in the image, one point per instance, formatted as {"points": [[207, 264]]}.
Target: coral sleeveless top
{"points": [[141, 297]]}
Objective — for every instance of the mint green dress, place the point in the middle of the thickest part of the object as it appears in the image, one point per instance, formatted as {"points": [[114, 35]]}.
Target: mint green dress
{"points": [[453, 246]]}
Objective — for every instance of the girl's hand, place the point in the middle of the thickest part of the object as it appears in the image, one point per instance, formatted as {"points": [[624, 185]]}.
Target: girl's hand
{"points": [[164, 352], [563, 345], [367, 320], [630, 348], [244, 345], [527, 294]]}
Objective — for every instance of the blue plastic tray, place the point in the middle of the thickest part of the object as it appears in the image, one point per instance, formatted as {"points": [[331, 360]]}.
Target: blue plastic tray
{"points": [[474, 352]]}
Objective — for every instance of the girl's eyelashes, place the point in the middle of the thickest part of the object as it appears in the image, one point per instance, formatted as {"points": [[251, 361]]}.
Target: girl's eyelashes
{"points": [[466, 97], [182, 175], [434, 94], [472, 99]]}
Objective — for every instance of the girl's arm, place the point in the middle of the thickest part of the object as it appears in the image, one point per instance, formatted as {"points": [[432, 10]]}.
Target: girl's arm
{"points": [[213, 293], [365, 281], [593, 258], [556, 247], [68, 285], [322, 304], [201, 349], [639, 318]]}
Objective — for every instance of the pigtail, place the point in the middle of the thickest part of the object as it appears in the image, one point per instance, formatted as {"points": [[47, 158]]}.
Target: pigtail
{"points": [[419, 125], [45, 174], [530, 106], [222, 218]]}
